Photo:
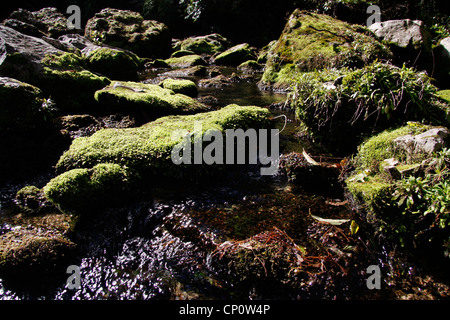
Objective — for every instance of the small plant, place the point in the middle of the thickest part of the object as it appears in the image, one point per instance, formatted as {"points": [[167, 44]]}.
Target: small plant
{"points": [[350, 103], [47, 109]]}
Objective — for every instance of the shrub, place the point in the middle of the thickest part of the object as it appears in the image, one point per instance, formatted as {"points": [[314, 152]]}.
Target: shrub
{"points": [[340, 106]]}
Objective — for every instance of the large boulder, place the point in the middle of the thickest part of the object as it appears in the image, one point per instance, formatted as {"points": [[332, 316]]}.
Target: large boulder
{"points": [[313, 41], [45, 22], [128, 30], [59, 74]]}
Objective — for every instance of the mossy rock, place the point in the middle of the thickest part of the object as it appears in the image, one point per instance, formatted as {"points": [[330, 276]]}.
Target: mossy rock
{"points": [[209, 44], [368, 183], [30, 197], [113, 164], [26, 252], [182, 53], [148, 148], [250, 67], [128, 30], [235, 55], [82, 189], [444, 95], [114, 64], [21, 105], [70, 84], [186, 87], [186, 61], [341, 106], [313, 41], [151, 99]]}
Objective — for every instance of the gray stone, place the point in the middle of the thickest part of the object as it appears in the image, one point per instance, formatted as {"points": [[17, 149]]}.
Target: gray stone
{"points": [[403, 33], [46, 21], [23, 54], [428, 142]]}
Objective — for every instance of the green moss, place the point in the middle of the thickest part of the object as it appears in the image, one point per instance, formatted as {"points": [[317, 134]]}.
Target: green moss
{"points": [[182, 53], [186, 61], [313, 41], [186, 87], [375, 192], [209, 44], [79, 189], [147, 149], [156, 101], [115, 64], [444, 95], [380, 147], [65, 78]]}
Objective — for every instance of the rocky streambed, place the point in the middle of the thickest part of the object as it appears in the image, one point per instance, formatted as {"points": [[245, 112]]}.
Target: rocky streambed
{"points": [[88, 182]]}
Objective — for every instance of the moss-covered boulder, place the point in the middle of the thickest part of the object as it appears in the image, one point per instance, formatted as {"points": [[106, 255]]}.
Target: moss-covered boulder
{"points": [[22, 106], [235, 55], [150, 99], [113, 164], [313, 41], [79, 189], [128, 30], [340, 106], [208, 44], [68, 82], [33, 251], [181, 53], [186, 61], [250, 67], [406, 208], [444, 95], [186, 87], [114, 64], [149, 147]]}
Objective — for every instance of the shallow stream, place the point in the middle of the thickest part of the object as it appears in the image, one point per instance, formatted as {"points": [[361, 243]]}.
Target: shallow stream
{"points": [[166, 246]]}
